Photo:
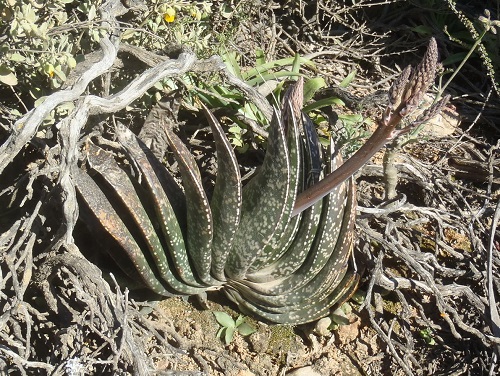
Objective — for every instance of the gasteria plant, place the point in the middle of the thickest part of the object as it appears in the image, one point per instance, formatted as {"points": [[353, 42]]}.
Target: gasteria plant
{"points": [[281, 245]]}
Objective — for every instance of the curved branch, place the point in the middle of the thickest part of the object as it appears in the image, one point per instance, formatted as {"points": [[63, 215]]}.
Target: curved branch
{"points": [[25, 128], [140, 85]]}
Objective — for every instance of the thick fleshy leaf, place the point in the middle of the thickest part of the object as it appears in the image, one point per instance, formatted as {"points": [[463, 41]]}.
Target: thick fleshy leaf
{"points": [[163, 209], [294, 294], [317, 283], [305, 313], [264, 202], [226, 198], [104, 212], [297, 241], [104, 163], [288, 226], [312, 150], [325, 240], [199, 215]]}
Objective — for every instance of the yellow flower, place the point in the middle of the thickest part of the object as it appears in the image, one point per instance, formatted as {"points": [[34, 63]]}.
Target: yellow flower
{"points": [[196, 14], [169, 15], [49, 69]]}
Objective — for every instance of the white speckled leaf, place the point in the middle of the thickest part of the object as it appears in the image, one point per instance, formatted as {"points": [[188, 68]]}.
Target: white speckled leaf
{"points": [[111, 222], [314, 287], [290, 258], [287, 227], [164, 212], [326, 237], [305, 313], [226, 199], [122, 186], [264, 202], [199, 215], [294, 294]]}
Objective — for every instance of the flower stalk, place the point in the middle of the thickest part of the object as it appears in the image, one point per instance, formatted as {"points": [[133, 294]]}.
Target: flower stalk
{"points": [[404, 97]]}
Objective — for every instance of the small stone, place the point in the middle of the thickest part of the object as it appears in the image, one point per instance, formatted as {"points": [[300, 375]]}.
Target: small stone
{"points": [[303, 371], [259, 342], [245, 373], [321, 327]]}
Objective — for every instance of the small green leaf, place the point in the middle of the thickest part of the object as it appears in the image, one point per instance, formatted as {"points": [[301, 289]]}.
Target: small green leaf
{"points": [[127, 34], [235, 129], [250, 111], [261, 78], [236, 142], [351, 119], [220, 332], [240, 320], [259, 57], [255, 72], [245, 330], [71, 62], [92, 13], [224, 319], [55, 83], [338, 317], [39, 101], [346, 81], [228, 337], [17, 57], [48, 69], [296, 64], [59, 73], [323, 103], [95, 35], [232, 63], [7, 76], [426, 335], [312, 86]]}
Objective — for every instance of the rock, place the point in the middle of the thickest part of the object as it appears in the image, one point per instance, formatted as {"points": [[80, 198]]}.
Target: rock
{"points": [[321, 327], [303, 371], [245, 373]]}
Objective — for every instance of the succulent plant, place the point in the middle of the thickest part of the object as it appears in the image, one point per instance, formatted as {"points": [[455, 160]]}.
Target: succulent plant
{"points": [[283, 268], [279, 246]]}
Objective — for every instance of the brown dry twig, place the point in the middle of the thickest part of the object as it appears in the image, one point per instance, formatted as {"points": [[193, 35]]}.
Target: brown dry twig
{"points": [[443, 282]]}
